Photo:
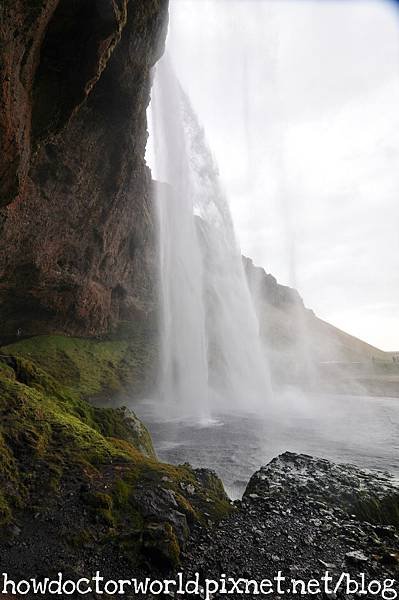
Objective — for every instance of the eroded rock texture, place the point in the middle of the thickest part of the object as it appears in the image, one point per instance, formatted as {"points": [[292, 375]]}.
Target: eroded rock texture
{"points": [[76, 226]]}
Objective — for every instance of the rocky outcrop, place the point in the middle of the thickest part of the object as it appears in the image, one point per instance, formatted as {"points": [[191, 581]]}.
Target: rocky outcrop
{"points": [[371, 495], [265, 286], [76, 227], [304, 516]]}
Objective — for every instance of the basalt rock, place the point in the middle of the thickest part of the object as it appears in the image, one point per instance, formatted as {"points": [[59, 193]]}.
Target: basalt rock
{"points": [[370, 495], [76, 225], [304, 516]]}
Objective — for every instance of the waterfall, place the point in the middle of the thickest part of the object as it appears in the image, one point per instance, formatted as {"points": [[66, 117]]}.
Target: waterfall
{"points": [[211, 353]]}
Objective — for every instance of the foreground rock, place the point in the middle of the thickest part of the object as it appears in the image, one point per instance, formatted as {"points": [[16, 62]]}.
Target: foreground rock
{"points": [[370, 495], [305, 516]]}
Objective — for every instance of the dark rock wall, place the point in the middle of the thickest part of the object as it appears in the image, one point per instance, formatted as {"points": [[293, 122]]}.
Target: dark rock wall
{"points": [[76, 224]]}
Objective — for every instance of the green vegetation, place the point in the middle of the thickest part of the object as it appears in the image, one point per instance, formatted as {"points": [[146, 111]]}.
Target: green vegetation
{"points": [[89, 367], [383, 511], [54, 443]]}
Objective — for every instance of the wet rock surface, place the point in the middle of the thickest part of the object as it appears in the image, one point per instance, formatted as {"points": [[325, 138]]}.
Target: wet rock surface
{"points": [[296, 517], [344, 486]]}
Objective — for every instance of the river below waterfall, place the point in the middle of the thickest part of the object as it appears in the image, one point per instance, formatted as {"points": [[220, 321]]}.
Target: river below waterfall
{"points": [[361, 430]]}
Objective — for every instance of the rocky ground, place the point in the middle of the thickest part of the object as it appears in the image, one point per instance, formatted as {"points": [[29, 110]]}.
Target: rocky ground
{"points": [[300, 516], [304, 516], [81, 489]]}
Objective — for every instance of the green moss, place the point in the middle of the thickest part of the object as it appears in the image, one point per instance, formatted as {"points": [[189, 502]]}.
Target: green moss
{"points": [[123, 424], [6, 372], [381, 511], [160, 545], [70, 398], [86, 366], [81, 539], [91, 367], [101, 506], [99, 500], [5, 511], [121, 494], [187, 509], [50, 435]]}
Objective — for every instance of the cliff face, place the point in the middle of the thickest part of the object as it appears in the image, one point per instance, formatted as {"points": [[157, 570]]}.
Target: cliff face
{"points": [[287, 324], [76, 227], [305, 350]]}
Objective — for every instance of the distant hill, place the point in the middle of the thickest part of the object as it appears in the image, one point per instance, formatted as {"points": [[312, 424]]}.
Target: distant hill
{"points": [[308, 351]]}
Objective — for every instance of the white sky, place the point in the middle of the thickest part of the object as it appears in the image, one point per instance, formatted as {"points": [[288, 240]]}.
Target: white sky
{"points": [[300, 103]]}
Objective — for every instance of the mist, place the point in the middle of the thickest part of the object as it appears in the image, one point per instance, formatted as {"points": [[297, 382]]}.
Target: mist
{"points": [[299, 104]]}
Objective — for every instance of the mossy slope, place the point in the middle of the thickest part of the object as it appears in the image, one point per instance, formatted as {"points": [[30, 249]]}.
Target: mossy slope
{"points": [[92, 367], [55, 445]]}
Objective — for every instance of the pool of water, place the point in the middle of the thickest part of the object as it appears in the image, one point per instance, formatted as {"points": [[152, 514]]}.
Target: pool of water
{"points": [[361, 430]]}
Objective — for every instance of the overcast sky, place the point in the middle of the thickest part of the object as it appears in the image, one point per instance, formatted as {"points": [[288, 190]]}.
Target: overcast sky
{"points": [[300, 103]]}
